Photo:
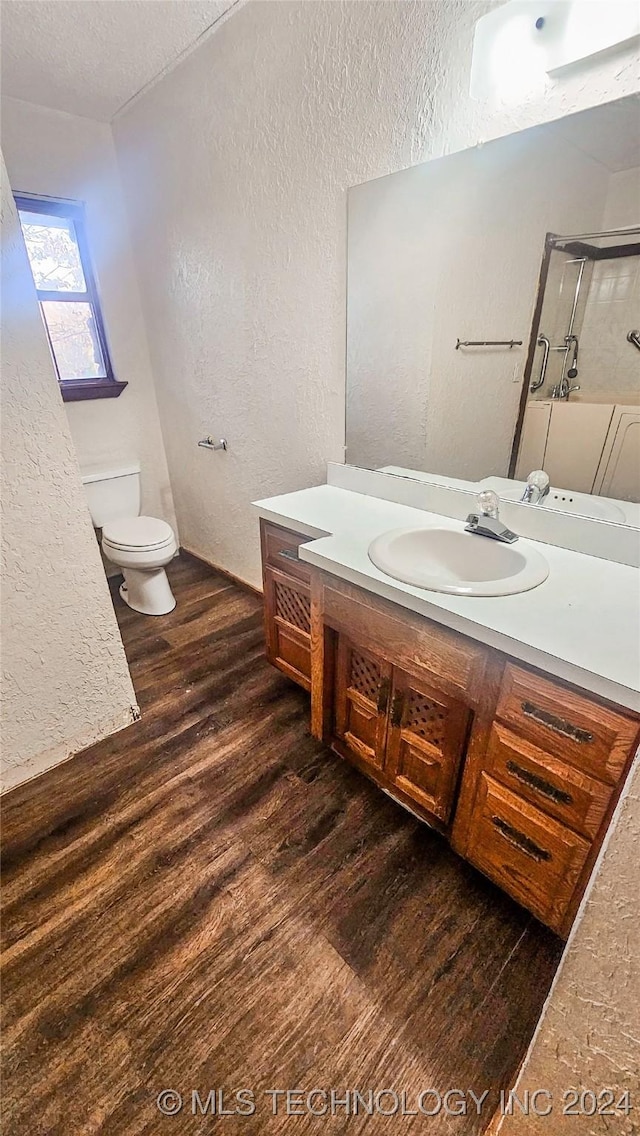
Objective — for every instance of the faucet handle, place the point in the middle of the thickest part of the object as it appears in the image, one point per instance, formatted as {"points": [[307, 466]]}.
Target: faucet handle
{"points": [[539, 480], [488, 503]]}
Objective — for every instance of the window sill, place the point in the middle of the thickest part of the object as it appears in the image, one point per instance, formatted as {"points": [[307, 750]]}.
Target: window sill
{"points": [[78, 391]]}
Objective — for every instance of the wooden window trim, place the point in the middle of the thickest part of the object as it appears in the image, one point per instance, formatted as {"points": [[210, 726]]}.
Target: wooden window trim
{"points": [[76, 390]]}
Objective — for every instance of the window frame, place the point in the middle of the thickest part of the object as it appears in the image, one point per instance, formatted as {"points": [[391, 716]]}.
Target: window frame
{"points": [[74, 390]]}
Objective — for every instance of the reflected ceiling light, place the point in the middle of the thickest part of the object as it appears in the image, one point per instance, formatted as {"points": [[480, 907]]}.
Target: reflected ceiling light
{"points": [[518, 45]]}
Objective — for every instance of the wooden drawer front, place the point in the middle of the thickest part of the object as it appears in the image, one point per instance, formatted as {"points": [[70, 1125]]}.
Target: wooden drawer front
{"points": [[531, 856], [566, 724], [361, 697], [413, 642], [425, 741], [280, 551], [288, 625], [565, 793]]}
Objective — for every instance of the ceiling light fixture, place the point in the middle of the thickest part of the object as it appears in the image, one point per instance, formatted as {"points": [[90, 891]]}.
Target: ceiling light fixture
{"points": [[520, 44]]}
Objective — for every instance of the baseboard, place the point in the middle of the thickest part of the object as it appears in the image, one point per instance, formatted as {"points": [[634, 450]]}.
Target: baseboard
{"points": [[16, 776], [222, 571]]}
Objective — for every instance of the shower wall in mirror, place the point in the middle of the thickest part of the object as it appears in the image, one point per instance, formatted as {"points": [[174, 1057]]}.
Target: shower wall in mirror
{"points": [[494, 315]]}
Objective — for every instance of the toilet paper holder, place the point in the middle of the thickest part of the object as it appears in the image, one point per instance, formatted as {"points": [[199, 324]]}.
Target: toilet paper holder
{"points": [[210, 443]]}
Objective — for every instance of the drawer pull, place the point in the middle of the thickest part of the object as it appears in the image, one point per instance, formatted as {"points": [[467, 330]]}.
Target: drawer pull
{"points": [[533, 781], [383, 696], [289, 553], [397, 707], [560, 725], [520, 840]]}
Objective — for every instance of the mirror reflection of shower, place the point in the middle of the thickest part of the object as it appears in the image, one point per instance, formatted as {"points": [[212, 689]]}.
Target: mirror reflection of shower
{"points": [[580, 420], [570, 346], [587, 300]]}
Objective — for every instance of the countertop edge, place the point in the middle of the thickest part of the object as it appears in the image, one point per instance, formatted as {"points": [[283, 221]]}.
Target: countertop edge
{"points": [[588, 680], [515, 648]]}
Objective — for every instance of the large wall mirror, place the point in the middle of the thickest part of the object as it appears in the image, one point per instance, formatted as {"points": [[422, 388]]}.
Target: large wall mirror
{"points": [[494, 315]]}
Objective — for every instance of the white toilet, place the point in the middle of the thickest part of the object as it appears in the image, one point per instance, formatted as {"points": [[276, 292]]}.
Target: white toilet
{"points": [[140, 546]]}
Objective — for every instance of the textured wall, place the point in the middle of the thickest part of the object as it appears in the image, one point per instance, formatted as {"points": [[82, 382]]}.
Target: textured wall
{"points": [[65, 681], [588, 1037], [59, 155], [236, 168]]}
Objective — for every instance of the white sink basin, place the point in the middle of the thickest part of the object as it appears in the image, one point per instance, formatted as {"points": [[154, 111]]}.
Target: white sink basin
{"points": [[464, 564]]}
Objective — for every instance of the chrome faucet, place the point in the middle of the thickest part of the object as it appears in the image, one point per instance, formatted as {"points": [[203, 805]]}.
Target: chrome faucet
{"points": [[564, 388], [486, 522], [537, 487]]}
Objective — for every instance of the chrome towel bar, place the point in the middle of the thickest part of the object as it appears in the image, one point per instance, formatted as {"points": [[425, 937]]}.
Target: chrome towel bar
{"points": [[488, 343]]}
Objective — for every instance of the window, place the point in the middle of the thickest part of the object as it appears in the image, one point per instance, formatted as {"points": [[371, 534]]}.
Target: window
{"points": [[57, 249]]}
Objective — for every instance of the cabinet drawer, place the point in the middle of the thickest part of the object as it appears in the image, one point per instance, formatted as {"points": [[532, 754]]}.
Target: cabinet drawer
{"points": [[280, 551], [570, 796], [533, 857], [570, 726]]}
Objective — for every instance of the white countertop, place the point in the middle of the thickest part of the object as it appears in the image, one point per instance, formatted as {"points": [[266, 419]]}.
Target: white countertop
{"points": [[582, 624]]}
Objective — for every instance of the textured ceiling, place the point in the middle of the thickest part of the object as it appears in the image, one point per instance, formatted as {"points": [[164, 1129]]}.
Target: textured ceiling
{"points": [[89, 57]]}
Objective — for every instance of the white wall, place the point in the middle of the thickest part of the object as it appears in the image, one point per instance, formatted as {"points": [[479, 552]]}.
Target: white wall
{"points": [[608, 364], [65, 681], [236, 167], [60, 155], [623, 199], [452, 249]]}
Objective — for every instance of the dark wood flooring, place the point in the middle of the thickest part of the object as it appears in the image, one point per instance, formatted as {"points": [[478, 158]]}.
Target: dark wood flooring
{"points": [[212, 900]]}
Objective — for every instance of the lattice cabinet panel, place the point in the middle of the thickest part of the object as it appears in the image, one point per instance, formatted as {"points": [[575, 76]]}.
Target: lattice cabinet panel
{"points": [[293, 606], [365, 675], [426, 718]]}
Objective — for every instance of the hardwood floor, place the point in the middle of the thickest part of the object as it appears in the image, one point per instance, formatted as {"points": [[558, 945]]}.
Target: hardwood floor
{"points": [[212, 900]]}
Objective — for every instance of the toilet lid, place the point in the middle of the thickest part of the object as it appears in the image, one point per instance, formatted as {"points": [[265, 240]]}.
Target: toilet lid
{"points": [[137, 532]]}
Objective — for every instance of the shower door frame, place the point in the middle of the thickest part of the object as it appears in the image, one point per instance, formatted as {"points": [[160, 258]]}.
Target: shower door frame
{"points": [[569, 244]]}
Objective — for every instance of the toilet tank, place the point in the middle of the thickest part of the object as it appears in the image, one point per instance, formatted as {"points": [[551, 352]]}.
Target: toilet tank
{"points": [[112, 494]]}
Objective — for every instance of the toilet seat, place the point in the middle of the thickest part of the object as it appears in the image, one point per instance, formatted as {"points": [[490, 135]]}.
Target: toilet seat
{"points": [[133, 534]]}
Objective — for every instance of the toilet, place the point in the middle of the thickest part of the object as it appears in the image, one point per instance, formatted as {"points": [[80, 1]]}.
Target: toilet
{"points": [[140, 546]]}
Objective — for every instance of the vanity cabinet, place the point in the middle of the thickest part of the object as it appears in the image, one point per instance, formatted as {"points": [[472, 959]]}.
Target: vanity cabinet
{"points": [[404, 725], [521, 772]]}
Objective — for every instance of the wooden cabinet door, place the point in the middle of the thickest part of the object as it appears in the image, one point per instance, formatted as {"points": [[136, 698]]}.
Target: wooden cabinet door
{"points": [[425, 742], [287, 608], [362, 687]]}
